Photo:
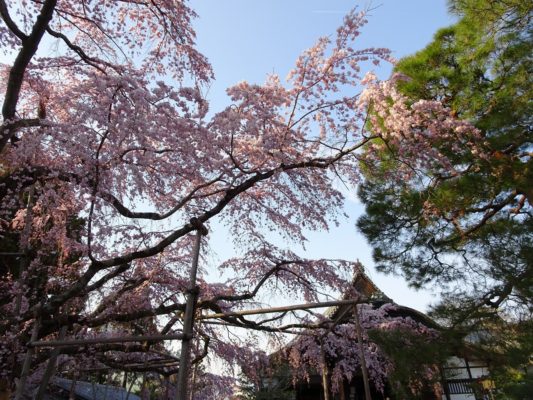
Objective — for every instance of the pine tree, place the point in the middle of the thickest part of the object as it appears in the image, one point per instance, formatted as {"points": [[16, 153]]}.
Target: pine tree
{"points": [[469, 229]]}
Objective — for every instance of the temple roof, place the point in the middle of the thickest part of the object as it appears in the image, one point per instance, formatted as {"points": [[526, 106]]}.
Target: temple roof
{"points": [[368, 292], [364, 288]]}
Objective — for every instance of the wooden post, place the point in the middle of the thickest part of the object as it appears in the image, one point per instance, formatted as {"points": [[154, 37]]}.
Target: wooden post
{"points": [[167, 385], [102, 340], [21, 384], [444, 383], [194, 374], [143, 387], [188, 320], [342, 395], [325, 371], [131, 386], [72, 392], [362, 353], [51, 367], [24, 247]]}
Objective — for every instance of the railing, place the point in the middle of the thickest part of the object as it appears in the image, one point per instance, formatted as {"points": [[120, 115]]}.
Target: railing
{"points": [[461, 386]]}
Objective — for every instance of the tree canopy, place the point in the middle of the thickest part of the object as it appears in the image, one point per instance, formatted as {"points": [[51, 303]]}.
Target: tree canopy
{"points": [[436, 224]]}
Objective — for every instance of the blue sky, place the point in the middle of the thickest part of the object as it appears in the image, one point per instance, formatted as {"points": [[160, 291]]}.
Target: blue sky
{"points": [[247, 39]]}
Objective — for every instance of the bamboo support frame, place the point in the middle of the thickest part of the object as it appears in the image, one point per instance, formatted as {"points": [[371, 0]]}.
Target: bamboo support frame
{"points": [[130, 367], [158, 364]]}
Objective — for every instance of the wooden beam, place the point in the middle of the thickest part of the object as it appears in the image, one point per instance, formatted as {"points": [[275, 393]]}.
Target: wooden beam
{"points": [[180, 336], [305, 306], [259, 328], [101, 340]]}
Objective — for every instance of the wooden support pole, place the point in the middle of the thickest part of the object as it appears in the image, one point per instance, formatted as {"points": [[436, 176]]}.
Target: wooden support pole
{"points": [[444, 383], [342, 395], [72, 392], [24, 248], [21, 384], [124, 379], [325, 371], [188, 320], [143, 388], [194, 374], [51, 367], [362, 353], [154, 365], [102, 340]]}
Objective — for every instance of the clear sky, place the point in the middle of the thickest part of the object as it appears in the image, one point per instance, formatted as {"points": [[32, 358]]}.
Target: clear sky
{"points": [[247, 39]]}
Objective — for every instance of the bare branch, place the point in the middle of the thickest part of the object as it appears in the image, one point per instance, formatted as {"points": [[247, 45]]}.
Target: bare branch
{"points": [[78, 50]]}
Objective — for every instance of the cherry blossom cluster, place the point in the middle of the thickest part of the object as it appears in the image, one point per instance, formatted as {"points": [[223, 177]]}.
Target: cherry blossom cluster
{"points": [[415, 134]]}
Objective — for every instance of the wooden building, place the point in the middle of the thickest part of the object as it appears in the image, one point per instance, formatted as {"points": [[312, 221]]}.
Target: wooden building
{"points": [[461, 378]]}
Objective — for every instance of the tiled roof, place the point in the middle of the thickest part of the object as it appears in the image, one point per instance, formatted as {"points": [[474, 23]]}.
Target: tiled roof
{"points": [[365, 288]]}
